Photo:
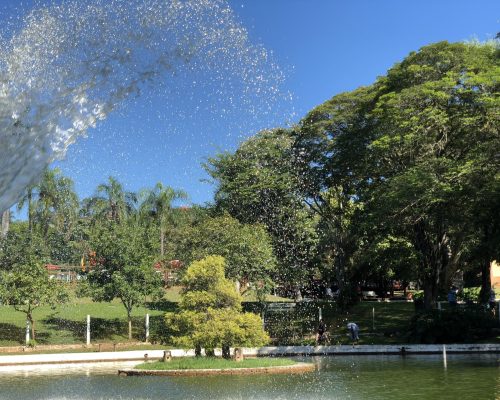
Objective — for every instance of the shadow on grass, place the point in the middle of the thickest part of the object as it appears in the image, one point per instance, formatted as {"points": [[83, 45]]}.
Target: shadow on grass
{"points": [[162, 305], [12, 333], [104, 330], [101, 329], [16, 335]]}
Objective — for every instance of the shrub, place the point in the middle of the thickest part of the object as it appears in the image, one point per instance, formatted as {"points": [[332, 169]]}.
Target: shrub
{"points": [[210, 312], [452, 326]]}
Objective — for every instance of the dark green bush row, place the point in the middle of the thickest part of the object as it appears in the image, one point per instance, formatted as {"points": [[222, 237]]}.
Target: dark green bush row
{"points": [[459, 325]]}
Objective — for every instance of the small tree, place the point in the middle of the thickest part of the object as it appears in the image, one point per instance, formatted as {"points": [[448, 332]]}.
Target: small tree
{"points": [[132, 285], [123, 270], [211, 314], [28, 286]]}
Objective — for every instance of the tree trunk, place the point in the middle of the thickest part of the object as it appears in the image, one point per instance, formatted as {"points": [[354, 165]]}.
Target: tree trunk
{"points": [[226, 352], [209, 352], [129, 327], [5, 223], [484, 294], [432, 245], [430, 293], [30, 211], [197, 350], [32, 323], [162, 241]]}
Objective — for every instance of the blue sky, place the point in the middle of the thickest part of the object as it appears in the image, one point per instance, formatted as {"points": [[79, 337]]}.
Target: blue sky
{"points": [[325, 47]]}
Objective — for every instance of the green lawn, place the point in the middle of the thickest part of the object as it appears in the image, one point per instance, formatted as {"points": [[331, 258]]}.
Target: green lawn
{"points": [[299, 326], [389, 325], [66, 324], [215, 363]]}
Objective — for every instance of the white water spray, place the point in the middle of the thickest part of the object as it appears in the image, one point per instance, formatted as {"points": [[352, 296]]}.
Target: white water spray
{"points": [[69, 65]]}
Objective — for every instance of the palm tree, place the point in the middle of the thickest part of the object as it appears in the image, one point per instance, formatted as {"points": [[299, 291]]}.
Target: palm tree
{"points": [[27, 200], [67, 205], [5, 223], [46, 203], [57, 202], [51, 202], [112, 201], [157, 203]]}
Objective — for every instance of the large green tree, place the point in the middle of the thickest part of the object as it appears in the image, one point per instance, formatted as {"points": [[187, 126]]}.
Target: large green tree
{"points": [[331, 146], [418, 150], [258, 184], [246, 248], [27, 286]]}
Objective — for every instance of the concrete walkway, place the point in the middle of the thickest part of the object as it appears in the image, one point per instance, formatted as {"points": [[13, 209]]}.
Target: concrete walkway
{"points": [[140, 355]]}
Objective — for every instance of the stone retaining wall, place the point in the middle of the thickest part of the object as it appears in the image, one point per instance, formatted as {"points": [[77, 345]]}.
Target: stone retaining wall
{"points": [[371, 349], [51, 347], [139, 355], [288, 369]]}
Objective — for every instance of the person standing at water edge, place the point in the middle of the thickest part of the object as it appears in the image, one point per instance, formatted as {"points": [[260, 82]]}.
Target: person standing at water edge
{"points": [[492, 300], [321, 335], [452, 296], [353, 329]]}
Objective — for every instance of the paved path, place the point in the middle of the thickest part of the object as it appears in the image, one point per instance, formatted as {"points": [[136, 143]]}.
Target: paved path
{"points": [[139, 355]]}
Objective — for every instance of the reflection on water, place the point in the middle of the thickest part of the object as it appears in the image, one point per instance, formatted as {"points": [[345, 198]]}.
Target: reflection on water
{"points": [[77, 369], [356, 377]]}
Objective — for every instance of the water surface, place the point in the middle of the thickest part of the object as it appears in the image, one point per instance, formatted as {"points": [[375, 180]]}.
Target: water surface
{"points": [[346, 377]]}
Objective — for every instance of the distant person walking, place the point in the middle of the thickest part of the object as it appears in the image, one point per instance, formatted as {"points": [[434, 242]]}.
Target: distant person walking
{"points": [[452, 296], [353, 329], [493, 300]]}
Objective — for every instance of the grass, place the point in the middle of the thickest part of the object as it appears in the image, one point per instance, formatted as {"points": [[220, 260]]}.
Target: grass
{"points": [[66, 324], [299, 326], [214, 363], [173, 295]]}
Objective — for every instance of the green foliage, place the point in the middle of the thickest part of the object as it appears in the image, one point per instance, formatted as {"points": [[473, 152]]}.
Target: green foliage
{"points": [[205, 286], [124, 267], [246, 248], [259, 184], [28, 287], [133, 283], [19, 247], [382, 259], [216, 363], [418, 152], [210, 312], [469, 295], [458, 325]]}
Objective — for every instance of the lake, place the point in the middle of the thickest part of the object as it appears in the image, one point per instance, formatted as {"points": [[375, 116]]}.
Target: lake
{"points": [[340, 377]]}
